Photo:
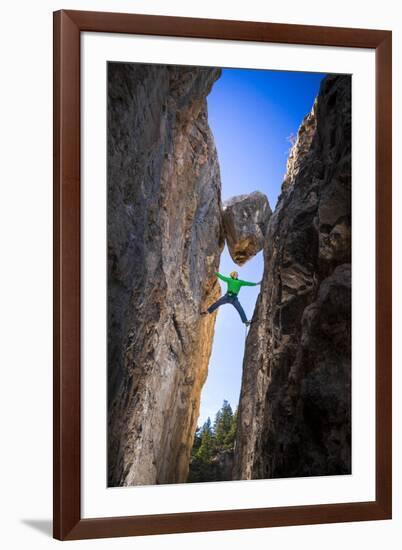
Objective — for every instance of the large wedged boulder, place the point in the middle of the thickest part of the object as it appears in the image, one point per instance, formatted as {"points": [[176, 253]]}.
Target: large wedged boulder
{"points": [[245, 220]]}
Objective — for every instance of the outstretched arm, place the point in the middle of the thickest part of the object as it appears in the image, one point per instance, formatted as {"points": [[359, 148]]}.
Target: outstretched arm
{"points": [[222, 277], [247, 283]]}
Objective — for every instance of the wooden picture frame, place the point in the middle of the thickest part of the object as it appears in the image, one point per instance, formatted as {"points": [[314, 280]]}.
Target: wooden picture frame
{"points": [[68, 523]]}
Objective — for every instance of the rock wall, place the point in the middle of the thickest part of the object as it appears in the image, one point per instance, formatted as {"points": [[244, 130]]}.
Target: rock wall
{"points": [[294, 410], [164, 243]]}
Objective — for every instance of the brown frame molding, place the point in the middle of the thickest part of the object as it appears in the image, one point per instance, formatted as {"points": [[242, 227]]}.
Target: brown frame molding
{"points": [[68, 523]]}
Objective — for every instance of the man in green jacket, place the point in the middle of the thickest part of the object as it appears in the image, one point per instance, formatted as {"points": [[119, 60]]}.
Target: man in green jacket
{"points": [[234, 286]]}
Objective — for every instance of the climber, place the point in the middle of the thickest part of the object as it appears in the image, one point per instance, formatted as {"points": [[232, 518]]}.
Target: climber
{"points": [[234, 286]]}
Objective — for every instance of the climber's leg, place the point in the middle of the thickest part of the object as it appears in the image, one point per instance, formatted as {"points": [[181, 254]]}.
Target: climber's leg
{"points": [[239, 308], [222, 300]]}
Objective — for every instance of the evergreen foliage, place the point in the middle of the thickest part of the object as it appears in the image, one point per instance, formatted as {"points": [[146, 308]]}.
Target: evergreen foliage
{"points": [[212, 452]]}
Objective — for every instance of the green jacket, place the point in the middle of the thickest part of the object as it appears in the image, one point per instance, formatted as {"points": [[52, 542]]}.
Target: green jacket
{"points": [[234, 285]]}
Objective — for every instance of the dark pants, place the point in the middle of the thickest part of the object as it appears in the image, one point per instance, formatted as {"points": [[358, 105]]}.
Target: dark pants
{"points": [[229, 299]]}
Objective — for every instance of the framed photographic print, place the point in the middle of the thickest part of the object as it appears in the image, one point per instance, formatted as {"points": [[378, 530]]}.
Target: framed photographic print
{"points": [[222, 274]]}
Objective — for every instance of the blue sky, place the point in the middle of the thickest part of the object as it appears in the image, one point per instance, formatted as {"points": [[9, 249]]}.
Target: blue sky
{"points": [[252, 114]]}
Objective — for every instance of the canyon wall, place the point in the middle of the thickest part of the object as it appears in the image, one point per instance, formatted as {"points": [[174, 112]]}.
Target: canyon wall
{"points": [[165, 238], [294, 411]]}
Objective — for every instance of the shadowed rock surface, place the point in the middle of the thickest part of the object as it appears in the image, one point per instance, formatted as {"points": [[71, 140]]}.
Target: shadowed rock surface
{"points": [[164, 243], [245, 220], [294, 410]]}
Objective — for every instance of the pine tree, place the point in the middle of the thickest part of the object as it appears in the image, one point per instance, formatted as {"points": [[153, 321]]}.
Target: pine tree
{"points": [[223, 425], [210, 443], [231, 436], [197, 439], [207, 446]]}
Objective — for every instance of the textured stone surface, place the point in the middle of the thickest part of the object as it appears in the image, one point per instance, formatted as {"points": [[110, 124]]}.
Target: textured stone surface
{"points": [[294, 411], [245, 221], [301, 147], [164, 242]]}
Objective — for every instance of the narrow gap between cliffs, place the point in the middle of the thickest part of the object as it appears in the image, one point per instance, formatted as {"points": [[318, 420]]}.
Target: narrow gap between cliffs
{"points": [[216, 427]]}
